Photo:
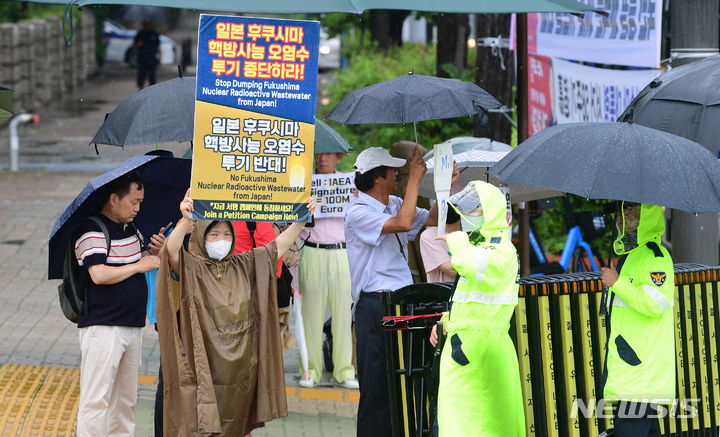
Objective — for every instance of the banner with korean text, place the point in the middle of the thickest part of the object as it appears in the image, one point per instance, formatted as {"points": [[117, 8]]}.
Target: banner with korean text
{"points": [[254, 118], [332, 193], [629, 35], [565, 92]]}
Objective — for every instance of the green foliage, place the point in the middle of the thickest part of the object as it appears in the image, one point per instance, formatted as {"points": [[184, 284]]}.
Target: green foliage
{"points": [[368, 67], [340, 24], [12, 11], [101, 13], [552, 230]]}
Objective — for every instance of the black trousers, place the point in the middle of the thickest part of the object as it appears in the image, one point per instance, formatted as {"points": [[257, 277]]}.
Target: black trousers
{"points": [[159, 405], [146, 70], [373, 418], [641, 426]]}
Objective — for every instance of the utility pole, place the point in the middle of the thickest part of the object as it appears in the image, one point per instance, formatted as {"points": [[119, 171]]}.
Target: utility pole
{"points": [[522, 89], [694, 25]]}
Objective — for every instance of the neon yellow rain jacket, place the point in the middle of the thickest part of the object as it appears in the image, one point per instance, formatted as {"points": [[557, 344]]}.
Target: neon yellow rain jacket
{"points": [[479, 392], [640, 362]]}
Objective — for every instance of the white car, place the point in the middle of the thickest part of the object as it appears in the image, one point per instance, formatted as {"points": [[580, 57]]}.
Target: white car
{"points": [[329, 58], [119, 39]]}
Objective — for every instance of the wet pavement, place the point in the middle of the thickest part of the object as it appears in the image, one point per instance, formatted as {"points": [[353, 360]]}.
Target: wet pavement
{"points": [[56, 161]]}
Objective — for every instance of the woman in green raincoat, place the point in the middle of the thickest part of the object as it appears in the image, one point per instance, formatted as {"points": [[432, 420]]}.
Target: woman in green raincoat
{"points": [[479, 393]]}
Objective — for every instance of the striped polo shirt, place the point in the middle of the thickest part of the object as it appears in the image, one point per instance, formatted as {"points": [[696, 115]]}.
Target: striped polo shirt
{"points": [[121, 304]]}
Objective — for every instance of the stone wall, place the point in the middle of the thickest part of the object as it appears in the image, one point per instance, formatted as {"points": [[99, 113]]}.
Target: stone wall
{"points": [[37, 65]]}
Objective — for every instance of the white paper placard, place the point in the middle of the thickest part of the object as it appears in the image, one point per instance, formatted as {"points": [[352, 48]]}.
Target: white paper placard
{"points": [[332, 193], [442, 177]]}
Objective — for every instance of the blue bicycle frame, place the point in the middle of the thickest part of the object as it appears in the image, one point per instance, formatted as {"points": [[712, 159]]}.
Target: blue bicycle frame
{"points": [[574, 239]]}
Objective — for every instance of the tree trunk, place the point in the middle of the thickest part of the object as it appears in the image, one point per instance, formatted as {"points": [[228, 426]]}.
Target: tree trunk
{"points": [[490, 76], [453, 32], [386, 28]]}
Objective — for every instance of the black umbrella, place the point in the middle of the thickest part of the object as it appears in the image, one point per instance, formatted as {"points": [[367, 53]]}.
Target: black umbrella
{"points": [[619, 161], [142, 13], [411, 98], [166, 181], [165, 112], [684, 101], [160, 113]]}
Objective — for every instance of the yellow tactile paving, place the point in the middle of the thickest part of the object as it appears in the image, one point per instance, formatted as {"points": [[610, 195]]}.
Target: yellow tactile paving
{"points": [[38, 401], [42, 401]]}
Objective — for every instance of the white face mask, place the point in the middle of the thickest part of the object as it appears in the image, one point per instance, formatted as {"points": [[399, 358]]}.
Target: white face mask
{"points": [[467, 204], [218, 249]]}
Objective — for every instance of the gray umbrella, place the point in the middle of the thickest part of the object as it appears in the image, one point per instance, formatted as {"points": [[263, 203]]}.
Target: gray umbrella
{"points": [[327, 140], [165, 113], [161, 113], [684, 101], [619, 161], [411, 98]]}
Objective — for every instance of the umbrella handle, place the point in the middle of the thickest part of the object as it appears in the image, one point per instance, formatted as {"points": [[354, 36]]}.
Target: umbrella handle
{"points": [[603, 303]]}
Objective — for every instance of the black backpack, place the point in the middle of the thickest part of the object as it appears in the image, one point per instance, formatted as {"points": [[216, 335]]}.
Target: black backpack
{"points": [[72, 291]]}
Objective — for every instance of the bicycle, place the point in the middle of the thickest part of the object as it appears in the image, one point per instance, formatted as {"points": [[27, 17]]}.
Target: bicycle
{"points": [[577, 255]]}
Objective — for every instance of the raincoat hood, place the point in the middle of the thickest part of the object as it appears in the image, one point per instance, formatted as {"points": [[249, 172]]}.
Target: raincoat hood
{"points": [[494, 209], [196, 245], [650, 228]]}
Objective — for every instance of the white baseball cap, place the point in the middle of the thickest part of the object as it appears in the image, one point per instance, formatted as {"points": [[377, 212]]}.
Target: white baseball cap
{"points": [[375, 157]]}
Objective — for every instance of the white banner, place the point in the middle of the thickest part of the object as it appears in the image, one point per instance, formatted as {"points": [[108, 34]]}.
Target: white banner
{"points": [[629, 35], [332, 193], [565, 92], [594, 94]]}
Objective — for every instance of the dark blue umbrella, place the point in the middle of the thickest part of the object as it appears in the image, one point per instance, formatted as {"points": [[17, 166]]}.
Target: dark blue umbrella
{"points": [[166, 181]]}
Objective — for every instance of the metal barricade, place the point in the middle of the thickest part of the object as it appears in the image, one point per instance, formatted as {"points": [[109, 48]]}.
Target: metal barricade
{"points": [[410, 354], [560, 340]]}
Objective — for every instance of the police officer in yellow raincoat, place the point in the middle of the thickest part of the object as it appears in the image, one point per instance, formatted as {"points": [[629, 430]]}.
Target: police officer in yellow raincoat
{"points": [[640, 361], [479, 393]]}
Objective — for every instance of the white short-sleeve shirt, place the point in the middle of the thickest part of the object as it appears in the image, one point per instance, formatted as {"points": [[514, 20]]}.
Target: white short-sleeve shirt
{"points": [[378, 261]]}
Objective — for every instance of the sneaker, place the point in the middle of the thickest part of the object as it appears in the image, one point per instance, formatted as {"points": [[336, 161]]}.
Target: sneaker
{"points": [[306, 383], [351, 383]]}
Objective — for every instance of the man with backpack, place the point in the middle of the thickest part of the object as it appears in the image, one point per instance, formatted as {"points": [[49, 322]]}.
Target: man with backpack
{"points": [[113, 314]]}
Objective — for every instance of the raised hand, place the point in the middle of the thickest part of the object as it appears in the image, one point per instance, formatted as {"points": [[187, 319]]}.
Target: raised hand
{"points": [[186, 206], [417, 167], [455, 173], [311, 205]]}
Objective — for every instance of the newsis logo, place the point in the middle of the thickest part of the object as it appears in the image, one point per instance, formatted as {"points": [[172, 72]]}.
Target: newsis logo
{"points": [[653, 408]]}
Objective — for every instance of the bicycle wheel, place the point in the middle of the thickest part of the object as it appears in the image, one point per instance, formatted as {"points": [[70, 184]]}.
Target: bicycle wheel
{"points": [[578, 262]]}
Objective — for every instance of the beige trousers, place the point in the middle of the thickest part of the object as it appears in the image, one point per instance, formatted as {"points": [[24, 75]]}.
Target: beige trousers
{"points": [[108, 380], [324, 280]]}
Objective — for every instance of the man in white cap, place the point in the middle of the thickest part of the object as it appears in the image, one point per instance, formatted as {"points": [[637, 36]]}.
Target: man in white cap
{"points": [[377, 228]]}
